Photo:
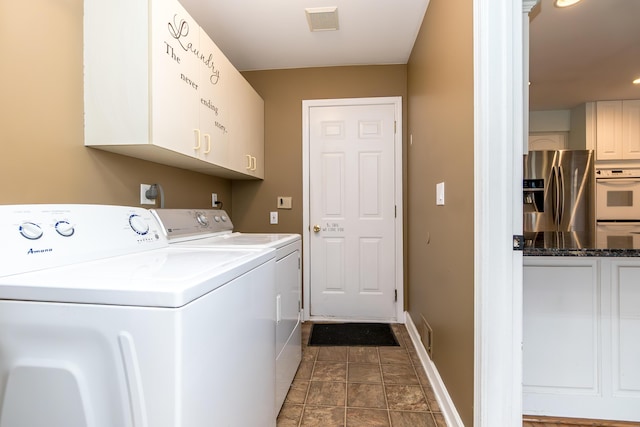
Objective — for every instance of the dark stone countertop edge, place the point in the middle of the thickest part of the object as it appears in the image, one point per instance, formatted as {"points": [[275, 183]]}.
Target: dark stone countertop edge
{"points": [[573, 252]]}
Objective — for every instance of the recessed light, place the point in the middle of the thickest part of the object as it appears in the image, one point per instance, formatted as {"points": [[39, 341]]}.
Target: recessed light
{"points": [[565, 3]]}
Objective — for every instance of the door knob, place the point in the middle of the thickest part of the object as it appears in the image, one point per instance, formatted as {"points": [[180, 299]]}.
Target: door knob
{"points": [[316, 228]]}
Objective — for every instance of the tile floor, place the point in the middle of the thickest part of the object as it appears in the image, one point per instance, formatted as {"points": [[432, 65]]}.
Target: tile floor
{"points": [[375, 386], [361, 387], [536, 421]]}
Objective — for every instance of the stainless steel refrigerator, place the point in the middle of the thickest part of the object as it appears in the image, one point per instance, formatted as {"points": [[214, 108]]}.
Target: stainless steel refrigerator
{"points": [[559, 193]]}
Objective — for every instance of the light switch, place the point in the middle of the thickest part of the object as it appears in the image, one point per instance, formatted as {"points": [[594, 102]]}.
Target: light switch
{"points": [[284, 202], [440, 193]]}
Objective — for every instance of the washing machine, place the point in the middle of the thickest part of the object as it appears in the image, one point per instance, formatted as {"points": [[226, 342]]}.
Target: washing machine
{"points": [[103, 324], [213, 228]]}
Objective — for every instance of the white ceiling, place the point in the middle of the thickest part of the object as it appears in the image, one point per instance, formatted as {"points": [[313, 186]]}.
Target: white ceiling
{"points": [[589, 51], [274, 34]]}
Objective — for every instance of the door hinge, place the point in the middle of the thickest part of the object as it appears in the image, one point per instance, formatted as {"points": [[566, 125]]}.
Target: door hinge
{"points": [[518, 242], [395, 123], [395, 211], [299, 263], [395, 298]]}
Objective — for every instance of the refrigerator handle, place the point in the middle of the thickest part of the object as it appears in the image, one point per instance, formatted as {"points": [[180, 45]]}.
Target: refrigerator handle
{"points": [[554, 195], [561, 198]]}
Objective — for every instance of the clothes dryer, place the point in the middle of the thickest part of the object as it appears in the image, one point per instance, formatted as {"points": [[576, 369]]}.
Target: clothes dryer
{"points": [[103, 324], [213, 228]]}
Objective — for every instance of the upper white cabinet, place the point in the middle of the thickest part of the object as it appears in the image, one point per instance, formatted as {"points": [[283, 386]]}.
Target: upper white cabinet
{"points": [[159, 89], [618, 130]]}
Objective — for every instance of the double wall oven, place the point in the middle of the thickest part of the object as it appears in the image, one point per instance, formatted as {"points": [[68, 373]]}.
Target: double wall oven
{"points": [[618, 208]]}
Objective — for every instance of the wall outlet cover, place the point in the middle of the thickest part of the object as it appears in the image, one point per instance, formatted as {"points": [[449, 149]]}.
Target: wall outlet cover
{"points": [[143, 195], [273, 217]]}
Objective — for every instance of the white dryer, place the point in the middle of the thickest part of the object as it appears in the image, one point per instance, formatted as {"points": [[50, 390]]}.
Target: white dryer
{"points": [[103, 324], [213, 228]]}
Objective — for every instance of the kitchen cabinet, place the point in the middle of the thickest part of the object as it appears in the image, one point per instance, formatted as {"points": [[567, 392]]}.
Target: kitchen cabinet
{"points": [[618, 130], [158, 88], [547, 141], [581, 320]]}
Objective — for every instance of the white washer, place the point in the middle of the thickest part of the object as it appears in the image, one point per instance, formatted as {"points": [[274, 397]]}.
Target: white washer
{"points": [[103, 324], [213, 228]]}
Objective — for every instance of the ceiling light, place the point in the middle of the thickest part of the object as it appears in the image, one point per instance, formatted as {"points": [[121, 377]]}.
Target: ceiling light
{"points": [[322, 18], [637, 81], [565, 3]]}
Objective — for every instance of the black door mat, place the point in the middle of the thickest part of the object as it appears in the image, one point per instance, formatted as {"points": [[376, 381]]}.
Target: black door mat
{"points": [[352, 334]]}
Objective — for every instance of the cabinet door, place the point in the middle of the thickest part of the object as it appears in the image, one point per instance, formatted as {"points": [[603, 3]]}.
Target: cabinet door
{"points": [[609, 130], [175, 78], [213, 103], [547, 141], [247, 140], [631, 129], [626, 328], [560, 330]]}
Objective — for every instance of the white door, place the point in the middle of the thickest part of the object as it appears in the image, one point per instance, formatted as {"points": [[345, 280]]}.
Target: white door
{"points": [[352, 211]]}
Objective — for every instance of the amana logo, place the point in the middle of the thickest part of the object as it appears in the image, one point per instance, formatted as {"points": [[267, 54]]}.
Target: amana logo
{"points": [[38, 251]]}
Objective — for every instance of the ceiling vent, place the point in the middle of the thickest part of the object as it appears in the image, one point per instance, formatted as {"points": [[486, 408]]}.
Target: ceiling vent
{"points": [[322, 18]]}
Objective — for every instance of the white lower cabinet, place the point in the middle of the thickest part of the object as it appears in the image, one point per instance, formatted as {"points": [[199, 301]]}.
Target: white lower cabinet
{"points": [[581, 346]]}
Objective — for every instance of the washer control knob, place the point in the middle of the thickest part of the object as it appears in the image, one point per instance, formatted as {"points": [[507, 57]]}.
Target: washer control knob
{"points": [[64, 228], [216, 218], [202, 219], [224, 218], [138, 224], [30, 230]]}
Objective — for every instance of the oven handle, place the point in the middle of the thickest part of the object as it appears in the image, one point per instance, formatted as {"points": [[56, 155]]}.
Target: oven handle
{"points": [[617, 181]]}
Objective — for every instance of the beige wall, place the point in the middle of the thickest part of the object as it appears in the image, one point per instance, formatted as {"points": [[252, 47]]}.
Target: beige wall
{"points": [[440, 246], [283, 92], [41, 121], [44, 161]]}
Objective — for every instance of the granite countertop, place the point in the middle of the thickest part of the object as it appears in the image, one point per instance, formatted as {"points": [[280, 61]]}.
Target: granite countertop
{"points": [[551, 243]]}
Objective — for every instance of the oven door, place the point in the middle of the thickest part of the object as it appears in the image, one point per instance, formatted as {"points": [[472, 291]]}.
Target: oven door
{"points": [[618, 235], [618, 199]]}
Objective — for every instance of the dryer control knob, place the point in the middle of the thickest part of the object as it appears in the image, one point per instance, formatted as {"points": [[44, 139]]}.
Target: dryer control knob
{"points": [[202, 219], [30, 230], [64, 228], [216, 218], [138, 224], [224, 218]]}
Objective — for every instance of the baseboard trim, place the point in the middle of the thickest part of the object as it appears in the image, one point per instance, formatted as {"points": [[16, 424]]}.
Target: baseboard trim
{"points": [[449, 411]]}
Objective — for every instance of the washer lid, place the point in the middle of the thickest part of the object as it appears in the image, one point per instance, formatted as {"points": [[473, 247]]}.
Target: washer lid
{"points": [[238, 240], [169, 277]]}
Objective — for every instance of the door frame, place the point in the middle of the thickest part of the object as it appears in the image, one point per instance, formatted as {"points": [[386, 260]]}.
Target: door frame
{"points": [[396, 101]]}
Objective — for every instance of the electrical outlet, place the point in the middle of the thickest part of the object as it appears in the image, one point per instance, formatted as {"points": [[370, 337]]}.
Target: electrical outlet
{"points": [[214, 199], [273, 217], [143, 195]]}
